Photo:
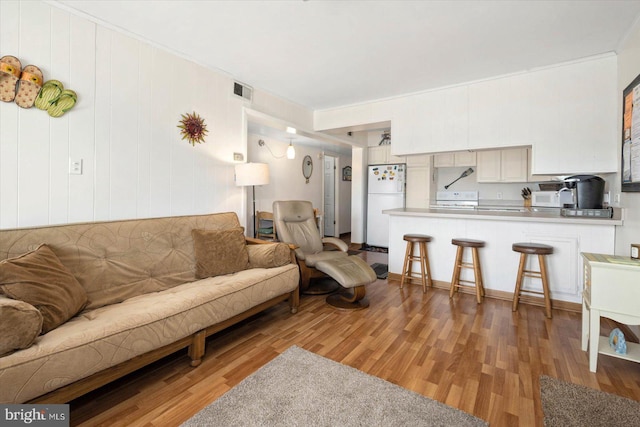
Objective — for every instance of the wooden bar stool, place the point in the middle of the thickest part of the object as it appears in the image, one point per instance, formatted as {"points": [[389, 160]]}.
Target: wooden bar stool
{"points": [[533, 249], [456, 282], [423, 258]]}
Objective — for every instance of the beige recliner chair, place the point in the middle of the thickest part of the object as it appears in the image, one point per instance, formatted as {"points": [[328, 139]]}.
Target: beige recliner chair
{"points": [[296, 225]]}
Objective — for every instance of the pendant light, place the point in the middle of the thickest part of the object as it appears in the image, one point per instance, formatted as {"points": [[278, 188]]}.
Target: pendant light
{"points": [[291, 152]]}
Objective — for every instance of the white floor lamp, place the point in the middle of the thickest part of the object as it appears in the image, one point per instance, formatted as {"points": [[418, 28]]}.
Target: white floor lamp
{"points": [[252, 174]]}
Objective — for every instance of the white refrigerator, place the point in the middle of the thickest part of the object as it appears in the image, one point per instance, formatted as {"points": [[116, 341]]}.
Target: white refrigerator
{"points": [[385, 187]]}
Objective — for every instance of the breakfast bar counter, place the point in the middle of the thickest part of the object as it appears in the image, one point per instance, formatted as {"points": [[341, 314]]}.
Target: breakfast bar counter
{"points": [[499, 228], [506, 213]]}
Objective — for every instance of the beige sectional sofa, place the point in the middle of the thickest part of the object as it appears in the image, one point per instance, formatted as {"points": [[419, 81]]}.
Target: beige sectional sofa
{"points": [[145, 299]]}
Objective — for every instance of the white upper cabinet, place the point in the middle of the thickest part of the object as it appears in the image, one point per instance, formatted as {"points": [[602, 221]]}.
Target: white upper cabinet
{"points": [[460, 158], [567, 114], [377, 155], [419, 160], [488, 166], [514, 165], [537, 177], [507, 165], [431, 122], [381, 154], [574, 119], [498, 114]]}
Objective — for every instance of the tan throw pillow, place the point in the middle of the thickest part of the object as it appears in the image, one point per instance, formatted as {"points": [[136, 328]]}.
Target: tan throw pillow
{"points": [[269, 255], [38, 278], [219, 252], [20, 324]]}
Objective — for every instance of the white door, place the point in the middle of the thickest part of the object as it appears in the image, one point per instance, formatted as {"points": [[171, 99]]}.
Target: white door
{"points": [[329, 213]]}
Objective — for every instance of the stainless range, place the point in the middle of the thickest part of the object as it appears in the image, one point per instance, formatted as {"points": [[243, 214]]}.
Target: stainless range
{"points": [[456, 200]]}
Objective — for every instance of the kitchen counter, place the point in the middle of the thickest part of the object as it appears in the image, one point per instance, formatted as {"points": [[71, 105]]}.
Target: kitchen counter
{"points": [[505, 213], [500, 228]]}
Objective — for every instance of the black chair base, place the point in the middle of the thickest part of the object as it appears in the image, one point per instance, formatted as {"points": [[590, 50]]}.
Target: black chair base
{"points": [[321, 286]]}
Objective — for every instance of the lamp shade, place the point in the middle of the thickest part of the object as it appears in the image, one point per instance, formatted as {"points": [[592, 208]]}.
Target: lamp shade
{"points": [[252, 174]]}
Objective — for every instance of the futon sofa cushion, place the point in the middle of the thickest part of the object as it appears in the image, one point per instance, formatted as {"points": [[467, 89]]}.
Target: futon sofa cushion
{"points": [[220, 252], [20, 324], [269, 255], [101, 338], [115, 261], [145, 301], [38, 278]]}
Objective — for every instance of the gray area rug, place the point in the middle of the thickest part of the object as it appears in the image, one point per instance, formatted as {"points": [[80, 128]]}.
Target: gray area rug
{"points": [[300, 388], [568, 405]]}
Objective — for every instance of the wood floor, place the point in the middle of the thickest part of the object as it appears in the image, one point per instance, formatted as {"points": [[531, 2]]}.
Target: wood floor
{"points": [[482, 359]]}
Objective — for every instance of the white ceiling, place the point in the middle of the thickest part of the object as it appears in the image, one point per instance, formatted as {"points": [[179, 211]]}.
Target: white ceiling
{"points": [[324, 54]]}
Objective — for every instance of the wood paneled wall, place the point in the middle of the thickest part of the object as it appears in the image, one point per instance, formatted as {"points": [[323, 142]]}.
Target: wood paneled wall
{"points": [[124, 127]]}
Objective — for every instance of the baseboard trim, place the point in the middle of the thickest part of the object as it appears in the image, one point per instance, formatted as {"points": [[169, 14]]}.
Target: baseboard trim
{"points": [[503, 295]]}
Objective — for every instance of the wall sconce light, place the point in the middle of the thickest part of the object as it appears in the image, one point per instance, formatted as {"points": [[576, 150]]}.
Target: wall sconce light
{"points": [[290, 153]]}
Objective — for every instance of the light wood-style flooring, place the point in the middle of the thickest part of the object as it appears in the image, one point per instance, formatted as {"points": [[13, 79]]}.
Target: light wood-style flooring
{"points": [[482, 359]]}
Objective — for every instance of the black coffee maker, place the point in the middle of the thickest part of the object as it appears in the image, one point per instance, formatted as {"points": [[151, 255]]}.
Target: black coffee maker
{"points": [[588, 189]]}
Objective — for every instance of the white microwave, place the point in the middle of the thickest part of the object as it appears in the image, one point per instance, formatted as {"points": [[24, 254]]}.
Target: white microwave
{"points": [[552, 199]]}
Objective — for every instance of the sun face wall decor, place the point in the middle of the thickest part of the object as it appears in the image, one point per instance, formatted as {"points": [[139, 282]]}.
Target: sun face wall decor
{"points": [[193, 128]]}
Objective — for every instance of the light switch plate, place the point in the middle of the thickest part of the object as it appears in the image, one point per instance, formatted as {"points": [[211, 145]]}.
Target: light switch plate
{"points": [[75, 166]]}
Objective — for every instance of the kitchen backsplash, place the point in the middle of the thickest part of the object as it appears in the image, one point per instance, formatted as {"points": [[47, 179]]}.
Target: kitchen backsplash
{"points": [[490, 191]]}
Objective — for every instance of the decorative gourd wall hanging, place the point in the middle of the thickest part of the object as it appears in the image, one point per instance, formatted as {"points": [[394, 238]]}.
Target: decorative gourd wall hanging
{"points": [[193, 128]]}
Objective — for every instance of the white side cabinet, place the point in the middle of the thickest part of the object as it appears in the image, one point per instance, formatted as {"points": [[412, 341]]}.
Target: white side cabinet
{"points": [[508, 165], [381, 154], [610, 290], [458, 159], [419, 181]]}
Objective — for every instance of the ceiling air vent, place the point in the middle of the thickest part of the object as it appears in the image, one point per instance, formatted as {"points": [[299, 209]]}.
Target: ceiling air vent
{"points": [[242, 91]]}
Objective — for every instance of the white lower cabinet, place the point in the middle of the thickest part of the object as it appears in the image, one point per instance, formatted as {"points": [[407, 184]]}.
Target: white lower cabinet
{"points": [[507, 165], [562, 266], [499, 262]]}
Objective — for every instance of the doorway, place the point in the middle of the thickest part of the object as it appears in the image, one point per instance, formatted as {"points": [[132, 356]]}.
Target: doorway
{"points": [[330, 197]]}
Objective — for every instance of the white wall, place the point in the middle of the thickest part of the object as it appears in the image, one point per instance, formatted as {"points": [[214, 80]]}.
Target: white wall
{"points": [[358, 194], [124, 127], [628, 69], [286, 181]]}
